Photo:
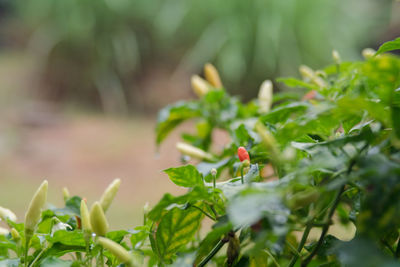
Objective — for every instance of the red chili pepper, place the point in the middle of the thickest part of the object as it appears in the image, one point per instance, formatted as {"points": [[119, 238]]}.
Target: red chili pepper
{"points": [[243, 154]]}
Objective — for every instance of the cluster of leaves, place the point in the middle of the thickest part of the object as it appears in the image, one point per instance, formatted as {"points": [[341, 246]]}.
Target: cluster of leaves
{"points": [[321, 188], [323, 184], [61, 232]]}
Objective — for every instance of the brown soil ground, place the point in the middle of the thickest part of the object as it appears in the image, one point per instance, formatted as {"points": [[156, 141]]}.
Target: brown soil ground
{"points": [[83, 152]]}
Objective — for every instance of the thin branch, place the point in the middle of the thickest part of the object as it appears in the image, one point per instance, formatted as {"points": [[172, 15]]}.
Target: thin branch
{"points": [[324, 229], [205, 213], [272, 257], [241, 174], [386, 244], [37, 257], [397, 254], [293, 249], [214, 251], [332, 211], [301, 244]]}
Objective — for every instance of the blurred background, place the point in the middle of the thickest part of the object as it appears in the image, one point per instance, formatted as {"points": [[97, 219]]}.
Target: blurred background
{"points": [[81, 80]]}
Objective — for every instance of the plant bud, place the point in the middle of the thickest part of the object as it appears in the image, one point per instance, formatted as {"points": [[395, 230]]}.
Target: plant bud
{"points": [[212, 76], [246, 163], [265, 96], [309, 74], [200, 86], [214, 172], [146, 208], [233, 250], [243, 154], [268, 140], [7, 214], [306, 72], [336, 57], [310, 95], [319, 81], [116, 249], [321, 73], [109, 194], [66, 194], [266, 137], [38, 201], [193, 151], [4, 231], [15, 235], [98, 220], [85, 218], [368, 53]]}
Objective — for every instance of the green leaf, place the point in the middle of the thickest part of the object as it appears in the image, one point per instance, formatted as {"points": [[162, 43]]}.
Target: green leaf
{"points": [[362, 252], [171, 116], [251, 205], [18, 226], [72, 208], [169, 201], [186, 176], [205, 168], [176, 229], [282, 113], [52, 261], [10, 263], [233, 186], [74, 204], [292, 82], [139, 235], [211, 240], [214, 96], [286, 96], [389, 46], [395, 111], [69, 238], [241, 136], [185, 260], [5, 245], [117, 236], [58, 250]]}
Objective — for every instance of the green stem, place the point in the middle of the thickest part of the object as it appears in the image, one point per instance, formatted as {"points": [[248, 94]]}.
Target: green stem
{"points": [[100, 260], [241, 174], [301, 245], [205, 213], [37, 257], [212, 253], [386, 244], [397, 254], [338, 68], [87, 236], [272, 257], [332, 211], [27, 240], [79, 256], [214, 211], [214, 180], [324, 229]]}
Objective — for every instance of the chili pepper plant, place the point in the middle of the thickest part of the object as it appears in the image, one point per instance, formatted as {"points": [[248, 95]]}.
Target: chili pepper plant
{"points": [[304, 180]]}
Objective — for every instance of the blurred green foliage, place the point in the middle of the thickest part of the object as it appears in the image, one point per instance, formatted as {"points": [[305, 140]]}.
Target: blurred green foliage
{"points": [[96, 49]]}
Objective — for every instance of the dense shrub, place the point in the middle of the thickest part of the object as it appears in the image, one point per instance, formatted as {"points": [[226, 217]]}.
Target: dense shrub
{"points": [[314, 180]]}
